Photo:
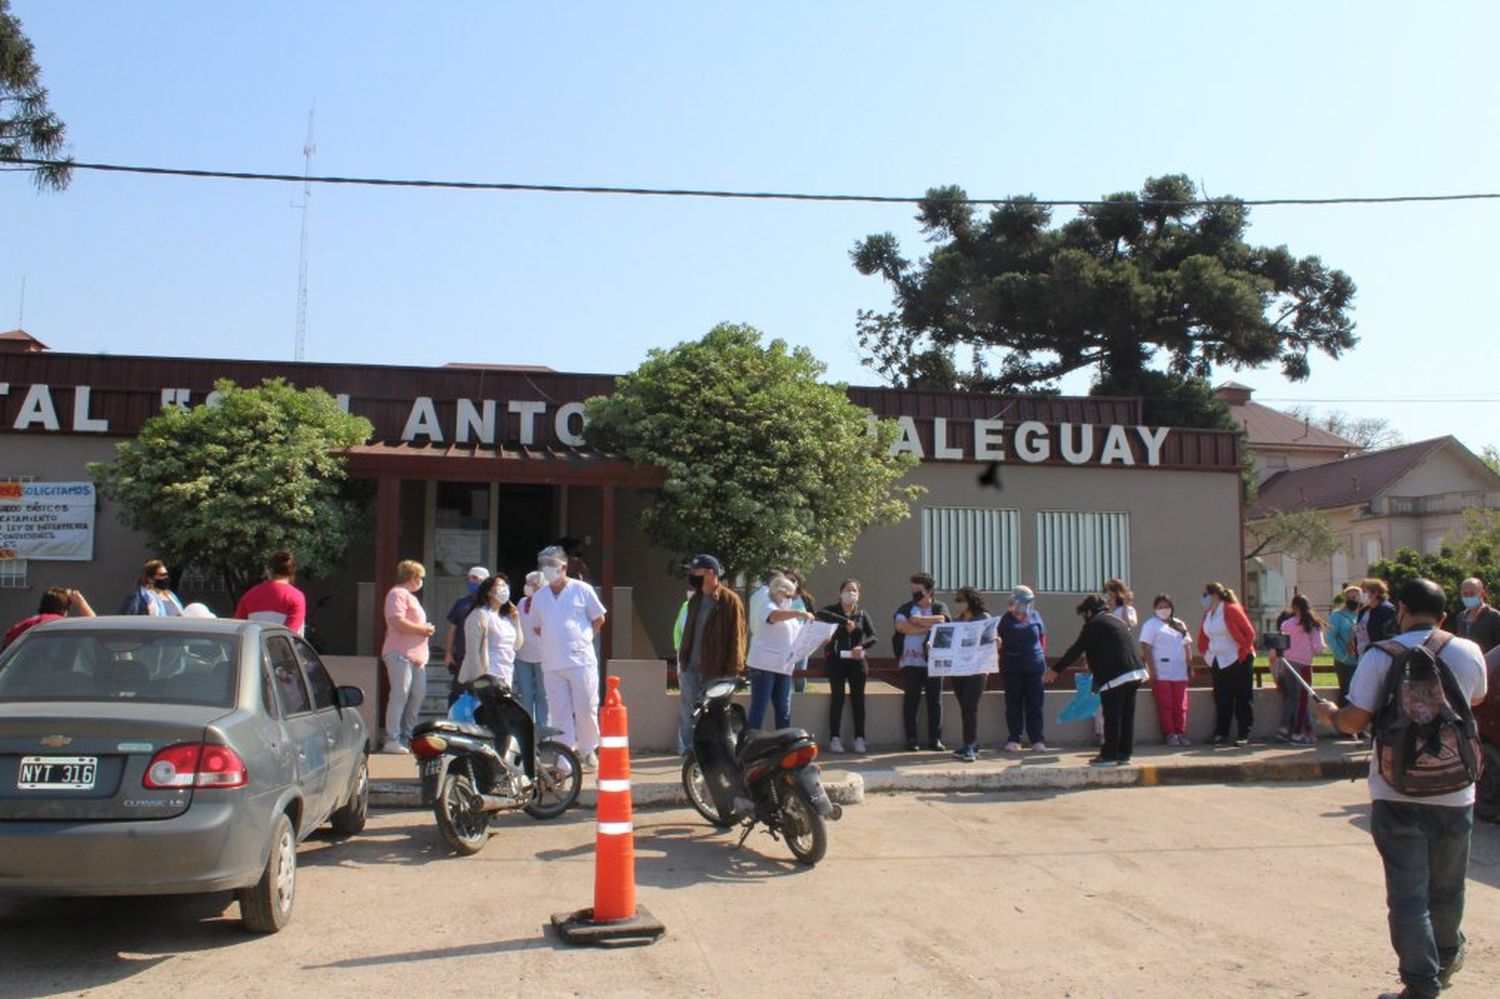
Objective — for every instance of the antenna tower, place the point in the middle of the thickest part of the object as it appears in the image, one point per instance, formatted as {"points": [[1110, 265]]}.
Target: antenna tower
{"points": [[308, 150]]}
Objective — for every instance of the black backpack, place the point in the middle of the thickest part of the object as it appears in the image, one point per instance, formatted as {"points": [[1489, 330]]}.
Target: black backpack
{"points": [[1426, 739]]}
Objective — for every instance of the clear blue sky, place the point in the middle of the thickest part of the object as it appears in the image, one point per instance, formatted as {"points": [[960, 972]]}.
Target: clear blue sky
{"points": [[1059, 100]]}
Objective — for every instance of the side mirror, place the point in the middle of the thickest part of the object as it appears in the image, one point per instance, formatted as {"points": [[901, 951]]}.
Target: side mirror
{"points": [[349, 697]]}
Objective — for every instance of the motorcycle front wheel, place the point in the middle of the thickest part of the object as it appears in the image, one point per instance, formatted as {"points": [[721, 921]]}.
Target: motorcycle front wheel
{"points": [[460, 815], [698, 793], [803, 827], [559, 779]]}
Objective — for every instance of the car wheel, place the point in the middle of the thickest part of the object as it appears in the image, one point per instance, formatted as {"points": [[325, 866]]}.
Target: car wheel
{"points": [[1487, 794], [350, 819], [267, 906]]}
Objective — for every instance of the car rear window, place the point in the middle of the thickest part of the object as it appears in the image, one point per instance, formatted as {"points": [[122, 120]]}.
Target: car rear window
{"points": [[120, 666]]}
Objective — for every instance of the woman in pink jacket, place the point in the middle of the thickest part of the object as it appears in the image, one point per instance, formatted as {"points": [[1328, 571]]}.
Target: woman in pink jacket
{"points": [[1226, 640], [1306, 631]]}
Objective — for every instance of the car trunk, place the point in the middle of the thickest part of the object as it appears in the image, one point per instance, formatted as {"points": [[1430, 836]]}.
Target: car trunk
{"points": [[70, 760]]}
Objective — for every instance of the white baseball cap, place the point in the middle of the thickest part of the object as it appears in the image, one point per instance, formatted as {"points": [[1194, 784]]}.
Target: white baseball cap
{"points": [[479, 574]]}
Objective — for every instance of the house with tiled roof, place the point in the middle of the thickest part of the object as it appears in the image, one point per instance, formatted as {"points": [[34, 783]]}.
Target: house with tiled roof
{"points": [[1278, 441]]}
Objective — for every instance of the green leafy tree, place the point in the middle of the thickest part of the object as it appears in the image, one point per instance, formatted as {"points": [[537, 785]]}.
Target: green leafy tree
{"points": [[765, 465], [28, 129], [220, 487], [1146, 281], [1491, 457], [1305, 535], [1448, 567]]}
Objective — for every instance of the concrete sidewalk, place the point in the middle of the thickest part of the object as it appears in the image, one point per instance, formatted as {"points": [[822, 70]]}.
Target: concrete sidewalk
{"points": [[656, 779]]}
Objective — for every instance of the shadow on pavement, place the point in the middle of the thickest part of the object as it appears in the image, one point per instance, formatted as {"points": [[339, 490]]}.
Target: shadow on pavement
{"points": [[75, 944], [676, 856], [546, 941]]}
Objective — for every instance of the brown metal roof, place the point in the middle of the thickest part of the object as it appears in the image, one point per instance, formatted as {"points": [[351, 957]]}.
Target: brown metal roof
{"points": [[1347, 482], [552, 465]]}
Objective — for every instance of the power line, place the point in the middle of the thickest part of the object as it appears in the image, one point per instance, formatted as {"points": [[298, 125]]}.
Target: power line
{"points": [[664, 192], [1451, 400]]}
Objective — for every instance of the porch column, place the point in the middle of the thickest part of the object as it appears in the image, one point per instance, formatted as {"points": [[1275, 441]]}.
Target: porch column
{"points": [[607, 566], [387, 539]]}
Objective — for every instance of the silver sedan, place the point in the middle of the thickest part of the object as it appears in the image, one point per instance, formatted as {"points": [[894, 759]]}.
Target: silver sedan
{"points": [[170, 756]]}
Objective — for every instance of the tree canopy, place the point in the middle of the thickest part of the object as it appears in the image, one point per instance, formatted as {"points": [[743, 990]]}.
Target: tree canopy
{"points": [[221, 486], [1304, 535], [1156, 281], [28, 128], [765, 465], [1474, 552]]}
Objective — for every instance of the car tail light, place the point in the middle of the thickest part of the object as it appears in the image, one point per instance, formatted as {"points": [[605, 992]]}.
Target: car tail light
{"points": [[196, 764], [799, 757], [425, 747]]}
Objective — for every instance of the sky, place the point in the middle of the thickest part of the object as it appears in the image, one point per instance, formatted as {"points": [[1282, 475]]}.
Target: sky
{"points": [[1060, 100]]}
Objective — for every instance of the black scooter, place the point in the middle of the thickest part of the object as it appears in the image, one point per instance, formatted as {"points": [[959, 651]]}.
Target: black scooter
{"points": [[769, 778], [470, 772]]}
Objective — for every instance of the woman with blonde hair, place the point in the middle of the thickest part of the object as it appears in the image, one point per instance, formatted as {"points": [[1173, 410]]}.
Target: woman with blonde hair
{"points": [[405, 655]]}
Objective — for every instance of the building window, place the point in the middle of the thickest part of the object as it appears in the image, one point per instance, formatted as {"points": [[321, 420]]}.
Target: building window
{"points": [[964, 546], [1077, 551], [1372, 550], [13, 570]]}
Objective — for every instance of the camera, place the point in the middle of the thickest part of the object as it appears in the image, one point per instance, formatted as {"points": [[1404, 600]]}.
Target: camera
{"points": [[1275, 641]]}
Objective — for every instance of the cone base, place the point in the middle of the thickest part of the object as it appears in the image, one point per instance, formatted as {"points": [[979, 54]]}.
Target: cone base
{"points": [[579, 928]]}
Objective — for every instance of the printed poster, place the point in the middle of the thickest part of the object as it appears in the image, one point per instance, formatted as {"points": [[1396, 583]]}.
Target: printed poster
{"points": [[47, 521], [964, 648]]}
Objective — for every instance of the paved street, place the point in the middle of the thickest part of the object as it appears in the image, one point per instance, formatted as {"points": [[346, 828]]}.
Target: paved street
{"points": [[1206, 891]]}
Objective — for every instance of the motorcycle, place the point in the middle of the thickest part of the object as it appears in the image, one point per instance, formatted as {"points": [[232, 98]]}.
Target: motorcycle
{"points": [[473, 771], [735, 775]]}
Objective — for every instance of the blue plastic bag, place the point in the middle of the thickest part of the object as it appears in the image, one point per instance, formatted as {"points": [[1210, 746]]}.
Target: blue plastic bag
{"points": [[463, 708], [1084, 703]]}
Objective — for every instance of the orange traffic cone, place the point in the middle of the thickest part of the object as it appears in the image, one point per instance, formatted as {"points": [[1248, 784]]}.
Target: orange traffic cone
{"points": [[615, 917]]}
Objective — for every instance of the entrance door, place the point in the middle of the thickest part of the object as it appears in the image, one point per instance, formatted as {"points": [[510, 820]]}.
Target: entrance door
{"points": [[526, 527], [461, 538]]}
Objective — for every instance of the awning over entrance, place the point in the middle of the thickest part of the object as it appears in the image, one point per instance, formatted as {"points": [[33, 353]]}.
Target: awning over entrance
{"points": [[554, 466]]}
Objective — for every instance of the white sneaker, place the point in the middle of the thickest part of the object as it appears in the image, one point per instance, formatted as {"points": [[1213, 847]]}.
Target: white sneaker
{"points": [[395, 748], [859, 744], [1039, 746], [1012, 746], [835, 745], [591, 763]]}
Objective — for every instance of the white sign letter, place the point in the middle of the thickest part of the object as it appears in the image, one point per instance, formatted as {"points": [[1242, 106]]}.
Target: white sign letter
{"points": [[37, 408], [422, 420], [1085, 449], [1153, 439], [565, 417], [907, 442], [82, 422], [1028, 447], [470, 420], [987, 443], [175, 397], [1116, 448], [528, 412], [940, 449]]}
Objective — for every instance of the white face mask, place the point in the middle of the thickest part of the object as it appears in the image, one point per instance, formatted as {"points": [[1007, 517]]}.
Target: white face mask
{"points": [[1165, 613], [779, 599], [551, 574], [502, 594], [849, 598], [528, 589]]}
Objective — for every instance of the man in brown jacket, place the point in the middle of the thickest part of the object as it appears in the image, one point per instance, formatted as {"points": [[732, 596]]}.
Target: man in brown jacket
{"points": [[713, 639]]}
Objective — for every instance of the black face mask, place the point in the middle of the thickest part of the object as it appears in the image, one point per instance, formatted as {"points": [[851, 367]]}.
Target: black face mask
{"points": [[162, 582], [917, 596], [1351, 605], [695, 583]]}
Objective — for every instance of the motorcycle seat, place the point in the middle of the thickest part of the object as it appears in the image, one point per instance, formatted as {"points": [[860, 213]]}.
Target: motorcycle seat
{"points": [[758, 745], [456, 727]]}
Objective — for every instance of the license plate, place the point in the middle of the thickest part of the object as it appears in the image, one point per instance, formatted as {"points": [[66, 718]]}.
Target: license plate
{"points": [[432, 767], [57, 773]]}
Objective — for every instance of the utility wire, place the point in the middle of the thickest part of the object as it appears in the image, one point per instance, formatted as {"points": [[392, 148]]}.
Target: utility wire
{"points": [[664, 192]]}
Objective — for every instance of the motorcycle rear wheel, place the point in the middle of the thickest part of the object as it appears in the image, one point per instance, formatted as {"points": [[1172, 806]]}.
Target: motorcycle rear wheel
{"points": [[559, 779], [460, 815], [698, 793], [803, 827]]}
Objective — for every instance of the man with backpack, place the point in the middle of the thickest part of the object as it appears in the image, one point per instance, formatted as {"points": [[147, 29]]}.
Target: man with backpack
{"points": [[1418, 690]]}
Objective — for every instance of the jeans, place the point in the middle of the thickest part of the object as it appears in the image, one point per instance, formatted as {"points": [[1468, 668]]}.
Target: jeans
{"points": [[1296, 711], [408, 689], [690, 692], [1425, 849], [1345, 673], [1171, 705], [968, 690], [1118, 704], [1234, 694], [914, 683], [854, 672], [768, 688], [1024, 697], [531, 691]]}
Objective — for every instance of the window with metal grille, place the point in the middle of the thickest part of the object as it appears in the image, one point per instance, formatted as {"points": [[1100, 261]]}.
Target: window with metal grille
{"points": [[964, 546], [1077, 551], [13, 574]]}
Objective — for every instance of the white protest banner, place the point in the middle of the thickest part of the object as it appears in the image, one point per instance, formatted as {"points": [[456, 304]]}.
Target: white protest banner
{"points": [[810, 639], [964, 648], [47, 521]]}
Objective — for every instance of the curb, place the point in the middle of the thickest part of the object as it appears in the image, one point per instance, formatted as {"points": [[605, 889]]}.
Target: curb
{"points": [[846, 789], [1024, 778]]}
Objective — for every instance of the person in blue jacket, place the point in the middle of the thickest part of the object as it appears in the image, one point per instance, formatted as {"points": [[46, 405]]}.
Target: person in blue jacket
{"points": [[1023, 659]]}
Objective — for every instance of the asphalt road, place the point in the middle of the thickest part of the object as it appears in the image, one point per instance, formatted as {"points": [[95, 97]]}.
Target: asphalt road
{"points": [[1201, 891]]}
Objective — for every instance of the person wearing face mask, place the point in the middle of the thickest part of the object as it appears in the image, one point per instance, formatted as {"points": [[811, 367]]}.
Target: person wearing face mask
{"points": [[455, 641], [1115, 664], [276, 600], [713, 639], [405, 655], [1305, 629], [1226, 640], [530, 686], [1377, 615], [153, 594], [492, 633], [969, 689], [914, 620], [801, 600], [769, 659], [1479, 622], [847, 663], [1165, 646], [1341, 640], [1023, 660], [567, 616]]}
